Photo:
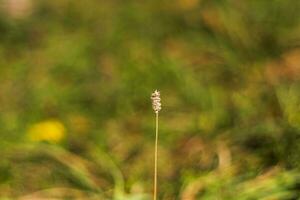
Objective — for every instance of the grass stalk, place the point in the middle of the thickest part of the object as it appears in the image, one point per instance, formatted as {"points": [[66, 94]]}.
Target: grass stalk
{"points": [[155, 158], [156, 105]]}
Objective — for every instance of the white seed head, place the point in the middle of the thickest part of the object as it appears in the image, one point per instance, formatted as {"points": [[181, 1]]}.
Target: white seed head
{"points": [[156, 104]]}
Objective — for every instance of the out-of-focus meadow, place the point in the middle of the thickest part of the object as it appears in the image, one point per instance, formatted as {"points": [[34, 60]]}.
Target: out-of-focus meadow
{"points": [[75, 83]]}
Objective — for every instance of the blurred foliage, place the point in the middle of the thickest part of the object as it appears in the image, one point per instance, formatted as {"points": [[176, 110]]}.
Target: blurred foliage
{"points": [[76, 119]]}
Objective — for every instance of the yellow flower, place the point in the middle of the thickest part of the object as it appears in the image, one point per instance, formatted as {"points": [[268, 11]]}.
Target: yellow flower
{"points": [[50, 130]]}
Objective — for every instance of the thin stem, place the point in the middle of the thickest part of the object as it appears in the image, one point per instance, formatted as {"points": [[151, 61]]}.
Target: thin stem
{"points": [[155, 158]]}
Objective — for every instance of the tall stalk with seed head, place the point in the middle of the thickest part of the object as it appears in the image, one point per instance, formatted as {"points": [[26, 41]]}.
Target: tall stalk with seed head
{"points": [[156, 105]]}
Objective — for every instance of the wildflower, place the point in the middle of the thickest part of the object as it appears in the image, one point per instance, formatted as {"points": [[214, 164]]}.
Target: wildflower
{"points": [[50, 130]]}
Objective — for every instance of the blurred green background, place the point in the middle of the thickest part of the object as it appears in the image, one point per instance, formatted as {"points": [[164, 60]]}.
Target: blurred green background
{"points": [[75, 84]]}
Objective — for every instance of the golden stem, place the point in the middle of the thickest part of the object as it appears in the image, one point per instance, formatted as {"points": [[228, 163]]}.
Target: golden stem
{"points": [[155, 159]]}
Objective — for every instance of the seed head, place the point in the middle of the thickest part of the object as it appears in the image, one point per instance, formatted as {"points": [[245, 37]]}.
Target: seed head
{"points": [[156, 105]]}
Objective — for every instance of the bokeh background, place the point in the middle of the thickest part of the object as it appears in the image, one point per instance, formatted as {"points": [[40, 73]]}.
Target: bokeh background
{"points": [[75, 84]]}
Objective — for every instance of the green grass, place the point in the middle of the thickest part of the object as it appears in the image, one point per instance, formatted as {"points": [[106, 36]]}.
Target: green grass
{"points": [[228, 72]]}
